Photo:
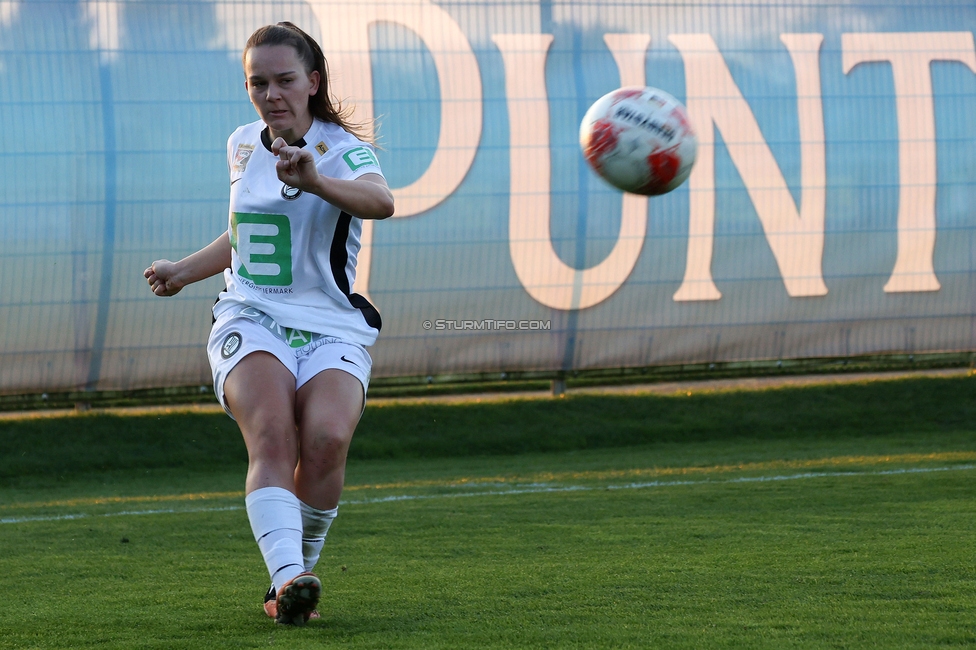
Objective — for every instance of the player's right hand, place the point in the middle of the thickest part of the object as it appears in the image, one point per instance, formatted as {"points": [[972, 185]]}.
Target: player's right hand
{"points": [[161, 276]]}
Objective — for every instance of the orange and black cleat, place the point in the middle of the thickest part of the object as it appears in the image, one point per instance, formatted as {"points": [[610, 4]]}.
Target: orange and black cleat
{"points": [[296, 600], [271, 605]]}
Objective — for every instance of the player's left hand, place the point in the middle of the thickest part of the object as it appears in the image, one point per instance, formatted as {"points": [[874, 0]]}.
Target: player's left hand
{"points": [[296, 166]]}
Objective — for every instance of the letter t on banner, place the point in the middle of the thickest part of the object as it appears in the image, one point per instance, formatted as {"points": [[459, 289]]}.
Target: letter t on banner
{"points": [[910, 54]]}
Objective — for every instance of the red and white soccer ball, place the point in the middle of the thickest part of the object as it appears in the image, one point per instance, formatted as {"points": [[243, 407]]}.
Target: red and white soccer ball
{"points": [[639, 140]]}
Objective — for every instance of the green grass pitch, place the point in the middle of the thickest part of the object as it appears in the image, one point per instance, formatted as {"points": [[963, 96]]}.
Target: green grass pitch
{"points": [[818, 517]]}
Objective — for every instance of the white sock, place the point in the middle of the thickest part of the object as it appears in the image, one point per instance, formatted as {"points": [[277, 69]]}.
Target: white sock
{"points": [[315, 526], [276, 521]]}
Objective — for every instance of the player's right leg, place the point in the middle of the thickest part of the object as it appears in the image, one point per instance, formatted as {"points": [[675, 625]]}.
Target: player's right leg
{"points": [[260, 393]]}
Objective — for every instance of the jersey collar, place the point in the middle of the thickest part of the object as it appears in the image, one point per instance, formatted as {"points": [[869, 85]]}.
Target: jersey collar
{"points": [[266, 139]]}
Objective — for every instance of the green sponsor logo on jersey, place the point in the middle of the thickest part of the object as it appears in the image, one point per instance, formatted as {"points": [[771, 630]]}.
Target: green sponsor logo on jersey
{"points": [[359, 157], [263, 242]]}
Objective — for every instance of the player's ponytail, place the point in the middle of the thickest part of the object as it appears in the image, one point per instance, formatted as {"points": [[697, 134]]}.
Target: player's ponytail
{"points": [[322, 104]]}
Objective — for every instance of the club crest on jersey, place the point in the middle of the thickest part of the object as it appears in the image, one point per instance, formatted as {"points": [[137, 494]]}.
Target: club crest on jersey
{"points": [[231, 344], [290, 193], [241, 156]]}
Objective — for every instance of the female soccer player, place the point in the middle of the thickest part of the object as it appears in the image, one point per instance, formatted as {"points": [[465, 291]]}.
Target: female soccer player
{"points": [[288, 344]]}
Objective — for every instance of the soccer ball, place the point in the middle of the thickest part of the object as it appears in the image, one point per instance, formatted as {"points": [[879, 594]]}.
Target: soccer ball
{"points": [[639, 140]]}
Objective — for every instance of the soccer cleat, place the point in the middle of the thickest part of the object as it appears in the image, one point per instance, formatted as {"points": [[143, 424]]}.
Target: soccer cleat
{"points": [[271, 605], [297, 599]]}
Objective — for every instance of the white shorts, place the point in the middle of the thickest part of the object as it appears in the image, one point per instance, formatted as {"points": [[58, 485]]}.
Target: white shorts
{"points": [[238, 333]]}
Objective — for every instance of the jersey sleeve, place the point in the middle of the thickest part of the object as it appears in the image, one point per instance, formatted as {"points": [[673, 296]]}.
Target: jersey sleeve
{"points": [[230, 153], [238, 152], [350, 162]]}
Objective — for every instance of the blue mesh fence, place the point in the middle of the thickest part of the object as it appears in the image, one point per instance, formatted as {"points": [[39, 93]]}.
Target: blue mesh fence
{"points": [[831, 212]]}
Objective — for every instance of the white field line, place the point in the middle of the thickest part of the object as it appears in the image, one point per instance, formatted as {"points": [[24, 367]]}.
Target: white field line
{"points": [[531, 489]]}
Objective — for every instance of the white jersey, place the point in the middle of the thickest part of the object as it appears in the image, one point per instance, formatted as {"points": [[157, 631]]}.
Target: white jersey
{"points": [[293, 254]]}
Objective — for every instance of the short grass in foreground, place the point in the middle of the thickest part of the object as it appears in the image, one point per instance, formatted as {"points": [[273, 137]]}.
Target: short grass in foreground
{"points": [[743, 539]]}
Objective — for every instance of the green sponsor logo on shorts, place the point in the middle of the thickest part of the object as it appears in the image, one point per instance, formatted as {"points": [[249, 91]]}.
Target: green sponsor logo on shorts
{"points": [[359, 157], [263, 242], [297, 338]]}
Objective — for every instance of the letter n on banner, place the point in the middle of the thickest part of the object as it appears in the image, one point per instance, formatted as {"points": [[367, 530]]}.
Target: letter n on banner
{"points": [[796, 237]]}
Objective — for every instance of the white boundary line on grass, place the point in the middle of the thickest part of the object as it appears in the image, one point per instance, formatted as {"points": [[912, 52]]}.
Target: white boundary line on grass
{"points": [[534, 489]]}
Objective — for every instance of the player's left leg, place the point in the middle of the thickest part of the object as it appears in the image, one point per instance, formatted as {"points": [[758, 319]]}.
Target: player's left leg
{"points": [[327, 410], [332, 383]]}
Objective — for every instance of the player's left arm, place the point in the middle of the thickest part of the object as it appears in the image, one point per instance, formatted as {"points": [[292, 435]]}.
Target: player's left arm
{"points": [[367, 197]]}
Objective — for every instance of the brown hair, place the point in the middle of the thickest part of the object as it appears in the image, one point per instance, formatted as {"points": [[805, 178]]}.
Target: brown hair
{"points": [[322, 104]]}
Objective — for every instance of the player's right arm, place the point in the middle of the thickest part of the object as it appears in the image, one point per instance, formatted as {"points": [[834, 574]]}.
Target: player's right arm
{"points": [[167, 278]]}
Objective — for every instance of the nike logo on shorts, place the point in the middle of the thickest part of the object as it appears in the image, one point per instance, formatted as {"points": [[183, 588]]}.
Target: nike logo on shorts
{"points": [[343, 357]]}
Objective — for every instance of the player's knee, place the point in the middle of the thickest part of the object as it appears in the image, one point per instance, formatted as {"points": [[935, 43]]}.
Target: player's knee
{"points": [[271, 457], [272, 442], [328, 446]]}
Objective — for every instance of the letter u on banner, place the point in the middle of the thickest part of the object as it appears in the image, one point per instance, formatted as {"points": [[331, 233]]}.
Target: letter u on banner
{"points": [[545, 277]]}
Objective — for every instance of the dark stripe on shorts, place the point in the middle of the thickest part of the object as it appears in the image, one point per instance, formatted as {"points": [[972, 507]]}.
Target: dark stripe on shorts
{"points": [[213, 319]]}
